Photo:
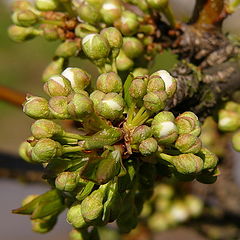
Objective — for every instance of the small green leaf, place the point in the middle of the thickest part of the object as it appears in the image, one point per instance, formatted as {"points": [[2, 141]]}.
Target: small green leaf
{"points": [[85, 191]]}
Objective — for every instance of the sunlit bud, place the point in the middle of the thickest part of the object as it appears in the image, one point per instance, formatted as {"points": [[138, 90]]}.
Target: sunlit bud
{"points": [[138, 88], [74, 216], [188, 122], [79, 106], [67, 181], [228, 120], [25, 18], [132, 47], [57, 86], [188, 143], [36, 107], [157, 4], [155, 84], [78, 78], [178, 212], [111, 106], [148, 146], [141, 133], [159, 222], [140, 72], [25, 151], [58, 107], [169, 81], [109, 82], [232, 106], [67, 49], [97, 96], [50, 32], [194, 205], [43, 225], [236, 141], [164, 191], [46, 5], [209, 158], [95, 46], [128, 23], [45, 150], [155, 101], [124, 63], [83, 29]]}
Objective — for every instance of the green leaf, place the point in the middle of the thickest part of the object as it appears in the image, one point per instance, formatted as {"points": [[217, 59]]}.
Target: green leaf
{"points": [[127, 96], [85, 191]]}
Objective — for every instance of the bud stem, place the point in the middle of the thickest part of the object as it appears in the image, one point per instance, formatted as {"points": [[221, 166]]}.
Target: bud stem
{"points": [[166, 157], [72, 149]]}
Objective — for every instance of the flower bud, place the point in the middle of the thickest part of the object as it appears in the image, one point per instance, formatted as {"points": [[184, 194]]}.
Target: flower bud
{"points": [[95, 46], [236, 141], [43, 225], [97, 96], [44, 128], [232, 106], [74, 216], [50, 32], [58, 107], [157, 4], [210, 160], [169, 82], [124, 63], [67, 181], [187, 163], [80, 106], [228, 120], [36, 107], [67, 49], [163, 127], [188, 143], [138, 88], [78, 78], [109, 82], [148, 146], [45, 150], [155, 84], [128, 23], [21, 5], [187, 122], [140, 72], [132, 47], [111, 106], [57, 85], [141, 133], [82, 30], [155, 101], [194, 205], [24, 18], [80, 234], [46, 5], [25, 151]]}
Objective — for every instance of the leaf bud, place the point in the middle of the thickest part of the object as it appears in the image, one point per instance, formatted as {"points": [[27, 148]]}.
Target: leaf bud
{"points": [[24, 18], [123, 62], [164, 128], [58, 106], [95, 46], [109, 82], [79, 106], [169, 81], [148, 146], [140, 72], [111, 106], [228, 120], [83, 29], [36, 107], [43, 225], [155, 84], [57, 85], [25, 151], [45, 150], [128, 23], [111, 10], [188, 143], [140, 133], [132, 47], [46, 5], [157, 4], [67, 181], [78, 78], [155, 101], [210, 159], [138, 88], [236, 141]]}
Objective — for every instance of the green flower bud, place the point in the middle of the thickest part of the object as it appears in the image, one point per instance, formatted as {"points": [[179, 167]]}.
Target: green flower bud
{"points": [[82, 30], [178, 211], [95, 46], [111, 106], [74, 216], [43, 225], [155, 84], [141, 133], [157, 4], [132, 47], [188, 143], [236, 141], [155, 101], [169, 82], [128, 23], [80, 106], [187, 122], [80, 234], [210, 159], [228, 120], [159, 222], [111, 10], [164, 128], [25, 18], [109, 82], [194, 205], [25, 151], [67, 49], [36, 107], [97, 96], [148, 146], [67, 181], [57, 85], [58, 107], [44, 128], [54, 68], [46, 5], [187, 163], [20, 34], [79, 78], [45, 150], [232, 106], [21, 5], [50, 32], [140, 72], [138, 88], [124, 63]]}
